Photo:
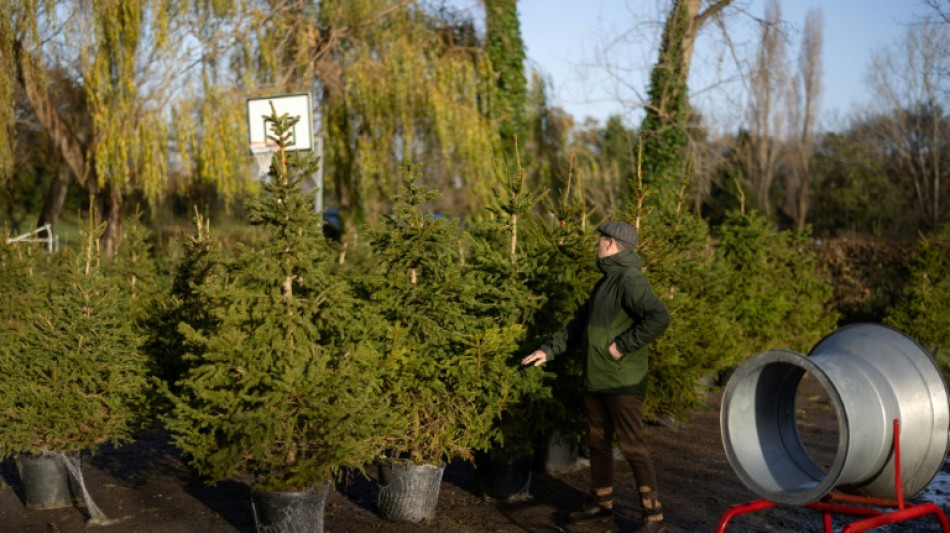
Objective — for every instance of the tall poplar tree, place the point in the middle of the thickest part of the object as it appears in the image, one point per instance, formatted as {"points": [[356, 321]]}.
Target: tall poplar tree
{"points": [[506, 52]]}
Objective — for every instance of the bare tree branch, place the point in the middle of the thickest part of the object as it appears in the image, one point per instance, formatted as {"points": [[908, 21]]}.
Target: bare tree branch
{"points": [[767, 112], [804, 109]]}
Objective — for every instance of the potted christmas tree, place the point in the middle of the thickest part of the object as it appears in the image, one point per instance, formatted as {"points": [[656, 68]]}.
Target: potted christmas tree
{"points": [[505, 261], [277, 385], [452, 361], [565, 274], [71, 375]]}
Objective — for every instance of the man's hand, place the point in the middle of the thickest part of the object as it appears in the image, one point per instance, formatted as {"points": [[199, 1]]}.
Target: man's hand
{"points": [[614, 352], [537, 358]]}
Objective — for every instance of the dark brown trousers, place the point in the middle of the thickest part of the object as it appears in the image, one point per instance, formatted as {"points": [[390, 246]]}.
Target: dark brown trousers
{"points": [[621, 414]]}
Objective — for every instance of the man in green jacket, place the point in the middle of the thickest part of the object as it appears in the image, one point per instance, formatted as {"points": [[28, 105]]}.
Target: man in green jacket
{"points": [[613, 328]]}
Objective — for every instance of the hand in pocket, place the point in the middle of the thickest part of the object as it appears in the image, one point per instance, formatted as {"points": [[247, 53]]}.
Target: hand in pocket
{"points": [[614, 352]]}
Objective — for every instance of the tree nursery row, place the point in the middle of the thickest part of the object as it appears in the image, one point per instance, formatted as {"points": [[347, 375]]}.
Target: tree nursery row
{"points": [[287, 358]]}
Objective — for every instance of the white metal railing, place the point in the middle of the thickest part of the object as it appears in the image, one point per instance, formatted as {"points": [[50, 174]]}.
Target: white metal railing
{"points": [[52, 241]]}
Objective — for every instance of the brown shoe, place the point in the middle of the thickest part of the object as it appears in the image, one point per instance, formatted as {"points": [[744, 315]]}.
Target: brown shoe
{"points": [[652, 526], [591, 512]]}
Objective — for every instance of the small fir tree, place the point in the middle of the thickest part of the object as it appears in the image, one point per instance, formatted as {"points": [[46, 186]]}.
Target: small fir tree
{"points": [[777, 296], [564, 276], [26, 273], [923, 311], [73, 376], [700, 342], [134, 269], [200, 265], [278, 384]]}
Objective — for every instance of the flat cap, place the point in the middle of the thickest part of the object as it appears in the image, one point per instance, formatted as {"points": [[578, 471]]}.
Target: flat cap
{"points": [[621, 231]]}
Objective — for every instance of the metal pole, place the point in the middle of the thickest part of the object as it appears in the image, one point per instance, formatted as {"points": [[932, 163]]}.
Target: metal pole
{"points": [[318, 178]]}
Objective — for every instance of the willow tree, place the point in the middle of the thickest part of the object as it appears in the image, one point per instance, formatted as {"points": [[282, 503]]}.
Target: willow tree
{"points": [[129, 57], [406, 91], [665, 126], [25, 41], [394, 83], [549, 138]]}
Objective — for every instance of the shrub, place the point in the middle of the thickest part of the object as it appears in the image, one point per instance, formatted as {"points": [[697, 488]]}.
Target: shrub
{"points": [[867, 276], [923, 311], [777, 295]]}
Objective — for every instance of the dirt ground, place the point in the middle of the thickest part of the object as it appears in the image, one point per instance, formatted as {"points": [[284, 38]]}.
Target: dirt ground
{"points": [[145, 487]]}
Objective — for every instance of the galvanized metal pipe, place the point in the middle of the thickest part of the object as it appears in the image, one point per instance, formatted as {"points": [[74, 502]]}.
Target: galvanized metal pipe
{"points": [[872, 375]]}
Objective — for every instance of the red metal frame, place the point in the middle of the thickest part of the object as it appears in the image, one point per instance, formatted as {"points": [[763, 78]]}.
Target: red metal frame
{"points": [[865, 505]]}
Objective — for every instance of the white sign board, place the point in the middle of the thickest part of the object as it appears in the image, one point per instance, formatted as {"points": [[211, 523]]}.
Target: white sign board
{"points": [[295, 105]]}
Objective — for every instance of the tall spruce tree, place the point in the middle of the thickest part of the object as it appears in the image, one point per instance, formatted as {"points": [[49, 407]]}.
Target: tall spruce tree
{"points": [[565, 274], [453, 359], [201, 264], [701, 340], [505, 259], [280, 384]]}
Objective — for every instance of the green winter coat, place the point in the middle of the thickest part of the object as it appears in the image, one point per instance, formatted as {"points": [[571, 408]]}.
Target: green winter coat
{"points": [[621, 308]]}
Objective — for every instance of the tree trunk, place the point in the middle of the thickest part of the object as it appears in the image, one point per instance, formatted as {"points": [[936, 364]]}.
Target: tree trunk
{"points": [[55, 197], [44, 106], [108, 208], [110, 205], [664, 128]]}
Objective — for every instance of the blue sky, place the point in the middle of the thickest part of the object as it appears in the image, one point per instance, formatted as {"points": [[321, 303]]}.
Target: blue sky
{"points": [[564, 39]]}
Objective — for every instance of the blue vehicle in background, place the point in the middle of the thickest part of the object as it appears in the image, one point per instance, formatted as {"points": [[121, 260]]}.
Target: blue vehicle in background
{"points": [[332, 224]]}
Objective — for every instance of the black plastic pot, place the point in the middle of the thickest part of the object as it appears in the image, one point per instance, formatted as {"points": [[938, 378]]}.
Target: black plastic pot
{"points": [[563, 455], [290, 511], [409, 492], [503, 477], [47, 483]]}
